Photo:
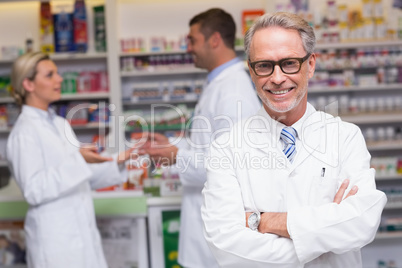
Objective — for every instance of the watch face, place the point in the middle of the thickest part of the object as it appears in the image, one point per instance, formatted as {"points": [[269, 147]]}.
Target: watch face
{"points": [[253, 221]]}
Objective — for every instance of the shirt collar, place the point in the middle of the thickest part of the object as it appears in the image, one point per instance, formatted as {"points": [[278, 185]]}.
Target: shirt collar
{"points": [[215, 72], [298, 126], [276, 126]]}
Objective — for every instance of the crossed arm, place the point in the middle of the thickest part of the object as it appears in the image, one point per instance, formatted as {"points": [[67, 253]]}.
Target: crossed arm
{"points": [[276, 222]]}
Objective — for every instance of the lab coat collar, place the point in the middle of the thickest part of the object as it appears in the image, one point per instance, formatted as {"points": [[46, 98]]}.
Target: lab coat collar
{"points": [[308, 128], [238, 65], [215, 72], [33, 112], [234, 67], [275, 127]]}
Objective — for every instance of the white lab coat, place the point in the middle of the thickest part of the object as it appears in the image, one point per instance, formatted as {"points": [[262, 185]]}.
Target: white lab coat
{"points": [[252, 174], [217, 106], [56, 182]]}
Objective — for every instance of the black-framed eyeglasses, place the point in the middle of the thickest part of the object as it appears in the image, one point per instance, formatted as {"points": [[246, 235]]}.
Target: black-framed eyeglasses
{"points": [[288, 65]]}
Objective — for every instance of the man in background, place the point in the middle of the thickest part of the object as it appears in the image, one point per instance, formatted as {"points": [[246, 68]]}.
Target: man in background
{"points": [[228, 96]]}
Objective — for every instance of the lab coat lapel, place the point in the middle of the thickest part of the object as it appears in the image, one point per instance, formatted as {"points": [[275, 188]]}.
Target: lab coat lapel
{"points": [[313, 139], [262, 133]]}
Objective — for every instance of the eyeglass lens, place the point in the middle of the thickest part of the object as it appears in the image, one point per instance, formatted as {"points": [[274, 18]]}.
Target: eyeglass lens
{"points": [[287, 66]]}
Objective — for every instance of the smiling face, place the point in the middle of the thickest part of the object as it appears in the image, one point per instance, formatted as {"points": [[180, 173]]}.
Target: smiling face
{"points": [[45, 88], [284, 96]]}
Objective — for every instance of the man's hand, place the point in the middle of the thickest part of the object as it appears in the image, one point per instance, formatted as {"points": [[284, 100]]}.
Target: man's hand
{"points": [[159, 149], [90, 154], [341, 191], [124, 156]]}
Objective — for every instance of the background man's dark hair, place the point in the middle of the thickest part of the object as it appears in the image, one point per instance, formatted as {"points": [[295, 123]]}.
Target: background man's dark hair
{"points": [[217, 20]]}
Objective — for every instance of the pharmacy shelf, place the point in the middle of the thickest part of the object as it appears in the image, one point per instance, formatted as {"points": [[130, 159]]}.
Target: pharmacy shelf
{"points": [[338, 69], [77, 56], [67, 97], [5, 130], [6, 1], [66, 56], [351, 45], [396, 205], [7, 100], [373, 118], [149, 102], [169, 52], [388, 235], [384, 146], [89, 126], [85, 96], [6, 61], [177, 71], [357, 45], [151, 53], [382, 87], [388, 177], [174, 127]]}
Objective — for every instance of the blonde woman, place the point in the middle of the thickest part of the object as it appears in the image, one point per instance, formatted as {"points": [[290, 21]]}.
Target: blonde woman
{"points": [[54, 174]]}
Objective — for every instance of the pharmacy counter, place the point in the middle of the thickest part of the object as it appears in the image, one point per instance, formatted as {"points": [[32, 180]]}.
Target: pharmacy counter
{"points": [[164, 201], [130, 204], [126, 211]]}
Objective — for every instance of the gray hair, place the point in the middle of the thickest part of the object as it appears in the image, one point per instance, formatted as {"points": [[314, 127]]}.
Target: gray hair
{"points": [[284, 20], [24, 68]]}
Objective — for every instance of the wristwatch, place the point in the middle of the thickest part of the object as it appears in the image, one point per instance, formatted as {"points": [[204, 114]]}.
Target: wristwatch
{"points": [[253, 221]]}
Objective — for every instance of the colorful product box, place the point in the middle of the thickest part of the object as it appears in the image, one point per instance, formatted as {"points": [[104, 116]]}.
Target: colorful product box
{"points": [[80, 26], [100, 28], [63, 34], [46, 28]]}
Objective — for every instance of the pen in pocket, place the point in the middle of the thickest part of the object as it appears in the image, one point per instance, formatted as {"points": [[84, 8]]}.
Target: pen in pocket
{"points": [[323, 172]]}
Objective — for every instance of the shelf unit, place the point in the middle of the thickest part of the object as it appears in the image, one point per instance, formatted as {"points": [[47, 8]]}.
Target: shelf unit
{"points": [[149, 102], [26, 13], [368, 88], [396, 205], [175, 71], [384, 146], [374, 118], [389, 177], [388, 235]]}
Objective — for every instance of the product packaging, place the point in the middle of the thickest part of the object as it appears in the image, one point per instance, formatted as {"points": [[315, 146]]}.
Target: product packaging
{"points": [[80, 26], [86, 82], [100, 28], [69, 84], [63, 34], [3, 117], [46, 28]]}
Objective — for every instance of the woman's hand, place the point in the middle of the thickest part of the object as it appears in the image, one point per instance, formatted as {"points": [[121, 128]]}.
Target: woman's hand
{"points": [[90, 154]]}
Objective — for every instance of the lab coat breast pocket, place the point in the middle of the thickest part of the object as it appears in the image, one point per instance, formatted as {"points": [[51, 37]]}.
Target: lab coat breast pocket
{"points": [[323, 190]]}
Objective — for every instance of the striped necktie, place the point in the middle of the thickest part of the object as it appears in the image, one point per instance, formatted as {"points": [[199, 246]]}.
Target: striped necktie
{"points": [[288, 135]]}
